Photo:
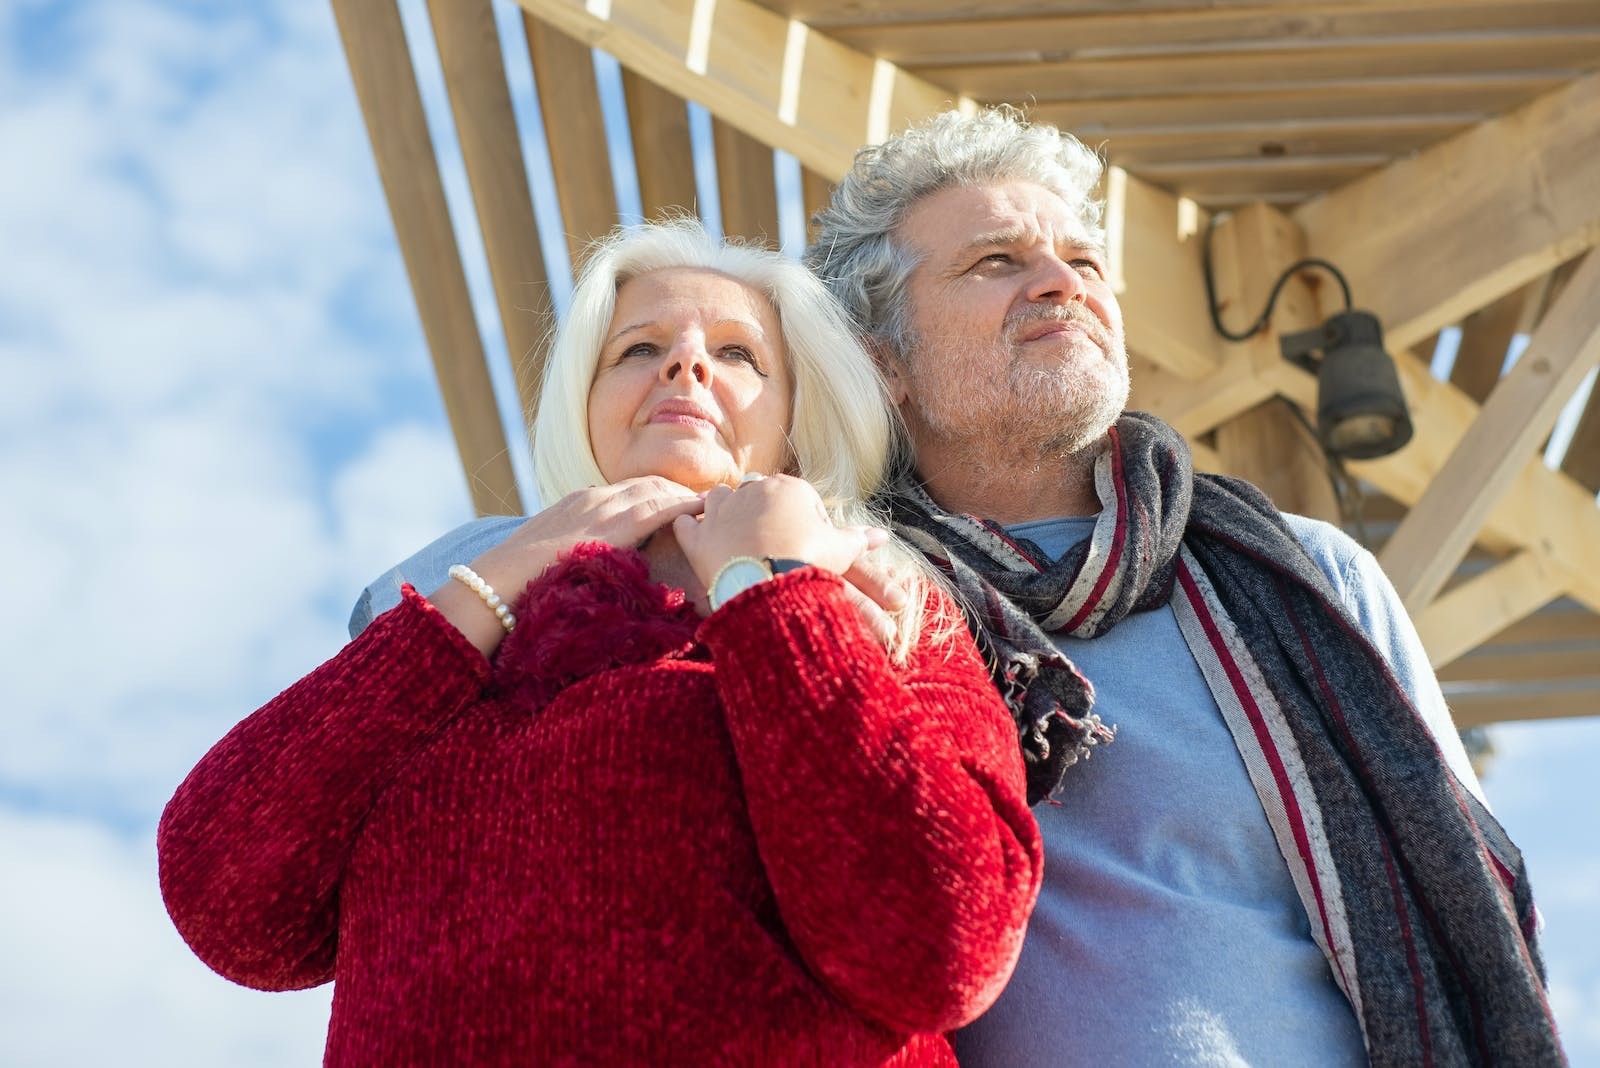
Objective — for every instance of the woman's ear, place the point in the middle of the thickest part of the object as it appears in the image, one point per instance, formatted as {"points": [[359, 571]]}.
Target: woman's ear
{"points": [[891, 368]]}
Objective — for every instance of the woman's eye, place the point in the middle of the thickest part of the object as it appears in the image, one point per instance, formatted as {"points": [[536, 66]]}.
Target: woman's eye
{"points": [[744, 355], [641, 349]]}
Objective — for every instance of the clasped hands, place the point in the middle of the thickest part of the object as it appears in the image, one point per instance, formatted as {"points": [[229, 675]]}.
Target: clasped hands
{"points": [[778, 516]]}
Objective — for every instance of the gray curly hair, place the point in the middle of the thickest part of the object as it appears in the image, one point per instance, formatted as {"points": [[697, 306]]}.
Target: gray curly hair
{"points": [[855, 252]]}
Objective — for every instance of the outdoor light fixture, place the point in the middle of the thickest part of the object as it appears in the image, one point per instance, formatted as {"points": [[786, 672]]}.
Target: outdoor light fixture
{"points": [[1361, 411]]}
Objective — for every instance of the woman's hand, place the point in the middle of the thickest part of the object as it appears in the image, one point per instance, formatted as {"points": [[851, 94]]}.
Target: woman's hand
{"points": [[623, 514], [782, 516]]}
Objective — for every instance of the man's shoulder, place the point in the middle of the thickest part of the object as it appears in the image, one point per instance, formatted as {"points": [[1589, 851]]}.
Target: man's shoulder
{"points": [[1335, 553], [428, 568]]}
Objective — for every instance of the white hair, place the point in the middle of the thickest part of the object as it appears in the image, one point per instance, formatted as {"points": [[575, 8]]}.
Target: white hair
{"points": [[841, 425], [855, 252]]}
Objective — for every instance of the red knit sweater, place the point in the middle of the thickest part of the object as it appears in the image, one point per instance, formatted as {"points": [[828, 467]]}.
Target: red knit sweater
{"points": [[633, 838]]}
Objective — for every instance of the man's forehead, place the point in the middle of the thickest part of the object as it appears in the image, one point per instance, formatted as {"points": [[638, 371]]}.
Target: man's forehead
{"points": [[954, 219]]}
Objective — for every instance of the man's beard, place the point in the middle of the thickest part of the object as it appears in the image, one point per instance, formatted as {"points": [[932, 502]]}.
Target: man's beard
{"points": [[1055, 409]]}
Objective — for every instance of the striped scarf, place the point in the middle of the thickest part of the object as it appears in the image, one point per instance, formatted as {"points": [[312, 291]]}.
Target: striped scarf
{"points": [[1414, 893]]}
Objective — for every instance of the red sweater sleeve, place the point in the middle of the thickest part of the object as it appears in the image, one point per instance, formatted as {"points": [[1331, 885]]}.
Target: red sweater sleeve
{"points": [[889, 803], [253, 845]]}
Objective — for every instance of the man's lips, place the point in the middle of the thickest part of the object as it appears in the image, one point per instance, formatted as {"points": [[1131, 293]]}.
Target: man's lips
{"points": [[1050, 329]]}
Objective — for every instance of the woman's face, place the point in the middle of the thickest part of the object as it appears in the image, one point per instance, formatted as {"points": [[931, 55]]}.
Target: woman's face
{"points": [[693, 382]]}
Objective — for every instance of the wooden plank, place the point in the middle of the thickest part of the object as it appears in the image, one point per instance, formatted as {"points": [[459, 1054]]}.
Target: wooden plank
{"points": [[1568, 625], [1480, 710], [1096, 35], [1566, 52], [1485, 336], [788, 88], [1153, 238], [848, 12], [1480, 95], [1560, 665], [1519, 413], [1266, 444], [574, 129], [658, 122], [1254, 177], [386, 85], [746, 184], [1135, 146], [486, 128], [1486, 604], [1428, 240]]}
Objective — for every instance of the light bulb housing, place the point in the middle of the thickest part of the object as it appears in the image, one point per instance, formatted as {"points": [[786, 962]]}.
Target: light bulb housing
{"points": [[1361, 410]]}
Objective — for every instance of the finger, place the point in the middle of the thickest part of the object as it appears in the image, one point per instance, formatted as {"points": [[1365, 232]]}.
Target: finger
{"points": [[877, 583], [877, 537], [877, 622]]}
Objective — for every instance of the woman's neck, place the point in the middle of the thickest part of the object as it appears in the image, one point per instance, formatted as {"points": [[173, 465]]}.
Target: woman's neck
{"points": [[668, 565]]}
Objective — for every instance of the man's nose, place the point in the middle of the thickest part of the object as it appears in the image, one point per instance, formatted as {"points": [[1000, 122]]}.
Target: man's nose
{"points": [[1056, 281], [687, 358]]}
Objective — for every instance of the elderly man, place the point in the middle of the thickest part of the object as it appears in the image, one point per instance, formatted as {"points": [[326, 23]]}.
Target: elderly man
{"points": [[1284, 858]]}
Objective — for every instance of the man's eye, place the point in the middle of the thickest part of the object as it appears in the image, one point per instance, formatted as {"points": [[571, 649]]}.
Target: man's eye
{"points": [[1092, 266]]}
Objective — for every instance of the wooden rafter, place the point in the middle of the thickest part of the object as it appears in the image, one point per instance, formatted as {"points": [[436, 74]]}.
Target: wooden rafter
{"points": [[1426, 241], [486, 129], [574, 130], [1519, 413], [1487, 604], [386, 85], [1479, 709]]}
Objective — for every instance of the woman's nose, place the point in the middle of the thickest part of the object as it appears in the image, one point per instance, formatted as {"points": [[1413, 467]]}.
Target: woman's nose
{"points": [[688, 357]]}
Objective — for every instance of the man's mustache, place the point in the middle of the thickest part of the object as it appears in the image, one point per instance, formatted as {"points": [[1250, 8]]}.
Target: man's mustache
{"points": [[1061, 313]]}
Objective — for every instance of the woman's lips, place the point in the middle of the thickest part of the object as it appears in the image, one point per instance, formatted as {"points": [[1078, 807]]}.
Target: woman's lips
{"points": [[685, 413]]}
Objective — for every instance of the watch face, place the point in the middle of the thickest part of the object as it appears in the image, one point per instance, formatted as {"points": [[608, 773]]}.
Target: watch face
{"points": [[736, 577]]}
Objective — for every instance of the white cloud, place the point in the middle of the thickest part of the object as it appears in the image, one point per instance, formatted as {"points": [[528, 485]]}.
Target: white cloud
{"points": [[95, 973]]}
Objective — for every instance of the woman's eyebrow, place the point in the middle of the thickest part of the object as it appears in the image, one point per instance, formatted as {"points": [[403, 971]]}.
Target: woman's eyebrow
{"points": [[627, 329]]}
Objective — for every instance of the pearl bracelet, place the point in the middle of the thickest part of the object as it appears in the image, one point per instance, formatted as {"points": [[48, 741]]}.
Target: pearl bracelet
{"points": [[470, 579]]}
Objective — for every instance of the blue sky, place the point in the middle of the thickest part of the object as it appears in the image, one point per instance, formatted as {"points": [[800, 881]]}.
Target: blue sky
{"points": [[217, 422]]}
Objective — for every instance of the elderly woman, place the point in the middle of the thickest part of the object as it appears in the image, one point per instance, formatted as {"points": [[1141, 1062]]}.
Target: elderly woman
{"points": [[676, 804]]}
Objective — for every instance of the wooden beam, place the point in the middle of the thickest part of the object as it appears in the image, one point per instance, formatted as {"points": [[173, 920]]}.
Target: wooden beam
{"points": [[1485, 336], [486, 128], [1519, 413], [1267, 445], [1556, 665], [843, 12], [746, 185], [1484, 605], [1267, 69], [1480, 710], [1101, 34], [574, 129], [663, 155], [1428, 240], [1154, 240], [386, 85], [1481, 95], [1137, 146], [756, 70], [1555, 624]]}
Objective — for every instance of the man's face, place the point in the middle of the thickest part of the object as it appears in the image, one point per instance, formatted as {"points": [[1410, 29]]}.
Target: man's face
{"points": [[1014, 322]]}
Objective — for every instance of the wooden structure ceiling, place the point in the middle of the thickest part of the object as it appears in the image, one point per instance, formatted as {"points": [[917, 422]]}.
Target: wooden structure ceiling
{"points": [[1445, 155]]}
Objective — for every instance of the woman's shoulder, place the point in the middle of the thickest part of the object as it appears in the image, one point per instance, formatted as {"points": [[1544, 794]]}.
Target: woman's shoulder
{"points": [[427, 569]]}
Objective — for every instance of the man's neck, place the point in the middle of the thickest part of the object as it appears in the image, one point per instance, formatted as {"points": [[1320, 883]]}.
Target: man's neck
{"points": [[1004, 485]]}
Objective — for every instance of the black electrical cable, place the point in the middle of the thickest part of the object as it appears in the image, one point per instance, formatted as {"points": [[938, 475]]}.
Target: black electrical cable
{"points": [[1272, 299]]}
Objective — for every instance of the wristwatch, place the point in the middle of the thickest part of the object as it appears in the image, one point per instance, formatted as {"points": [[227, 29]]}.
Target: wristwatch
{"points": [[742, 572]]}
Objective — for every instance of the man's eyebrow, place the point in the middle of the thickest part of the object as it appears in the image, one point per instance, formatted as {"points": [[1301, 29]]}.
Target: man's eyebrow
{"points": [[994, 238]]}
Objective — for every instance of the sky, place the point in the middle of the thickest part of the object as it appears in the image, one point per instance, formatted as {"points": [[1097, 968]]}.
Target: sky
{"points": [[218, 421]]}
